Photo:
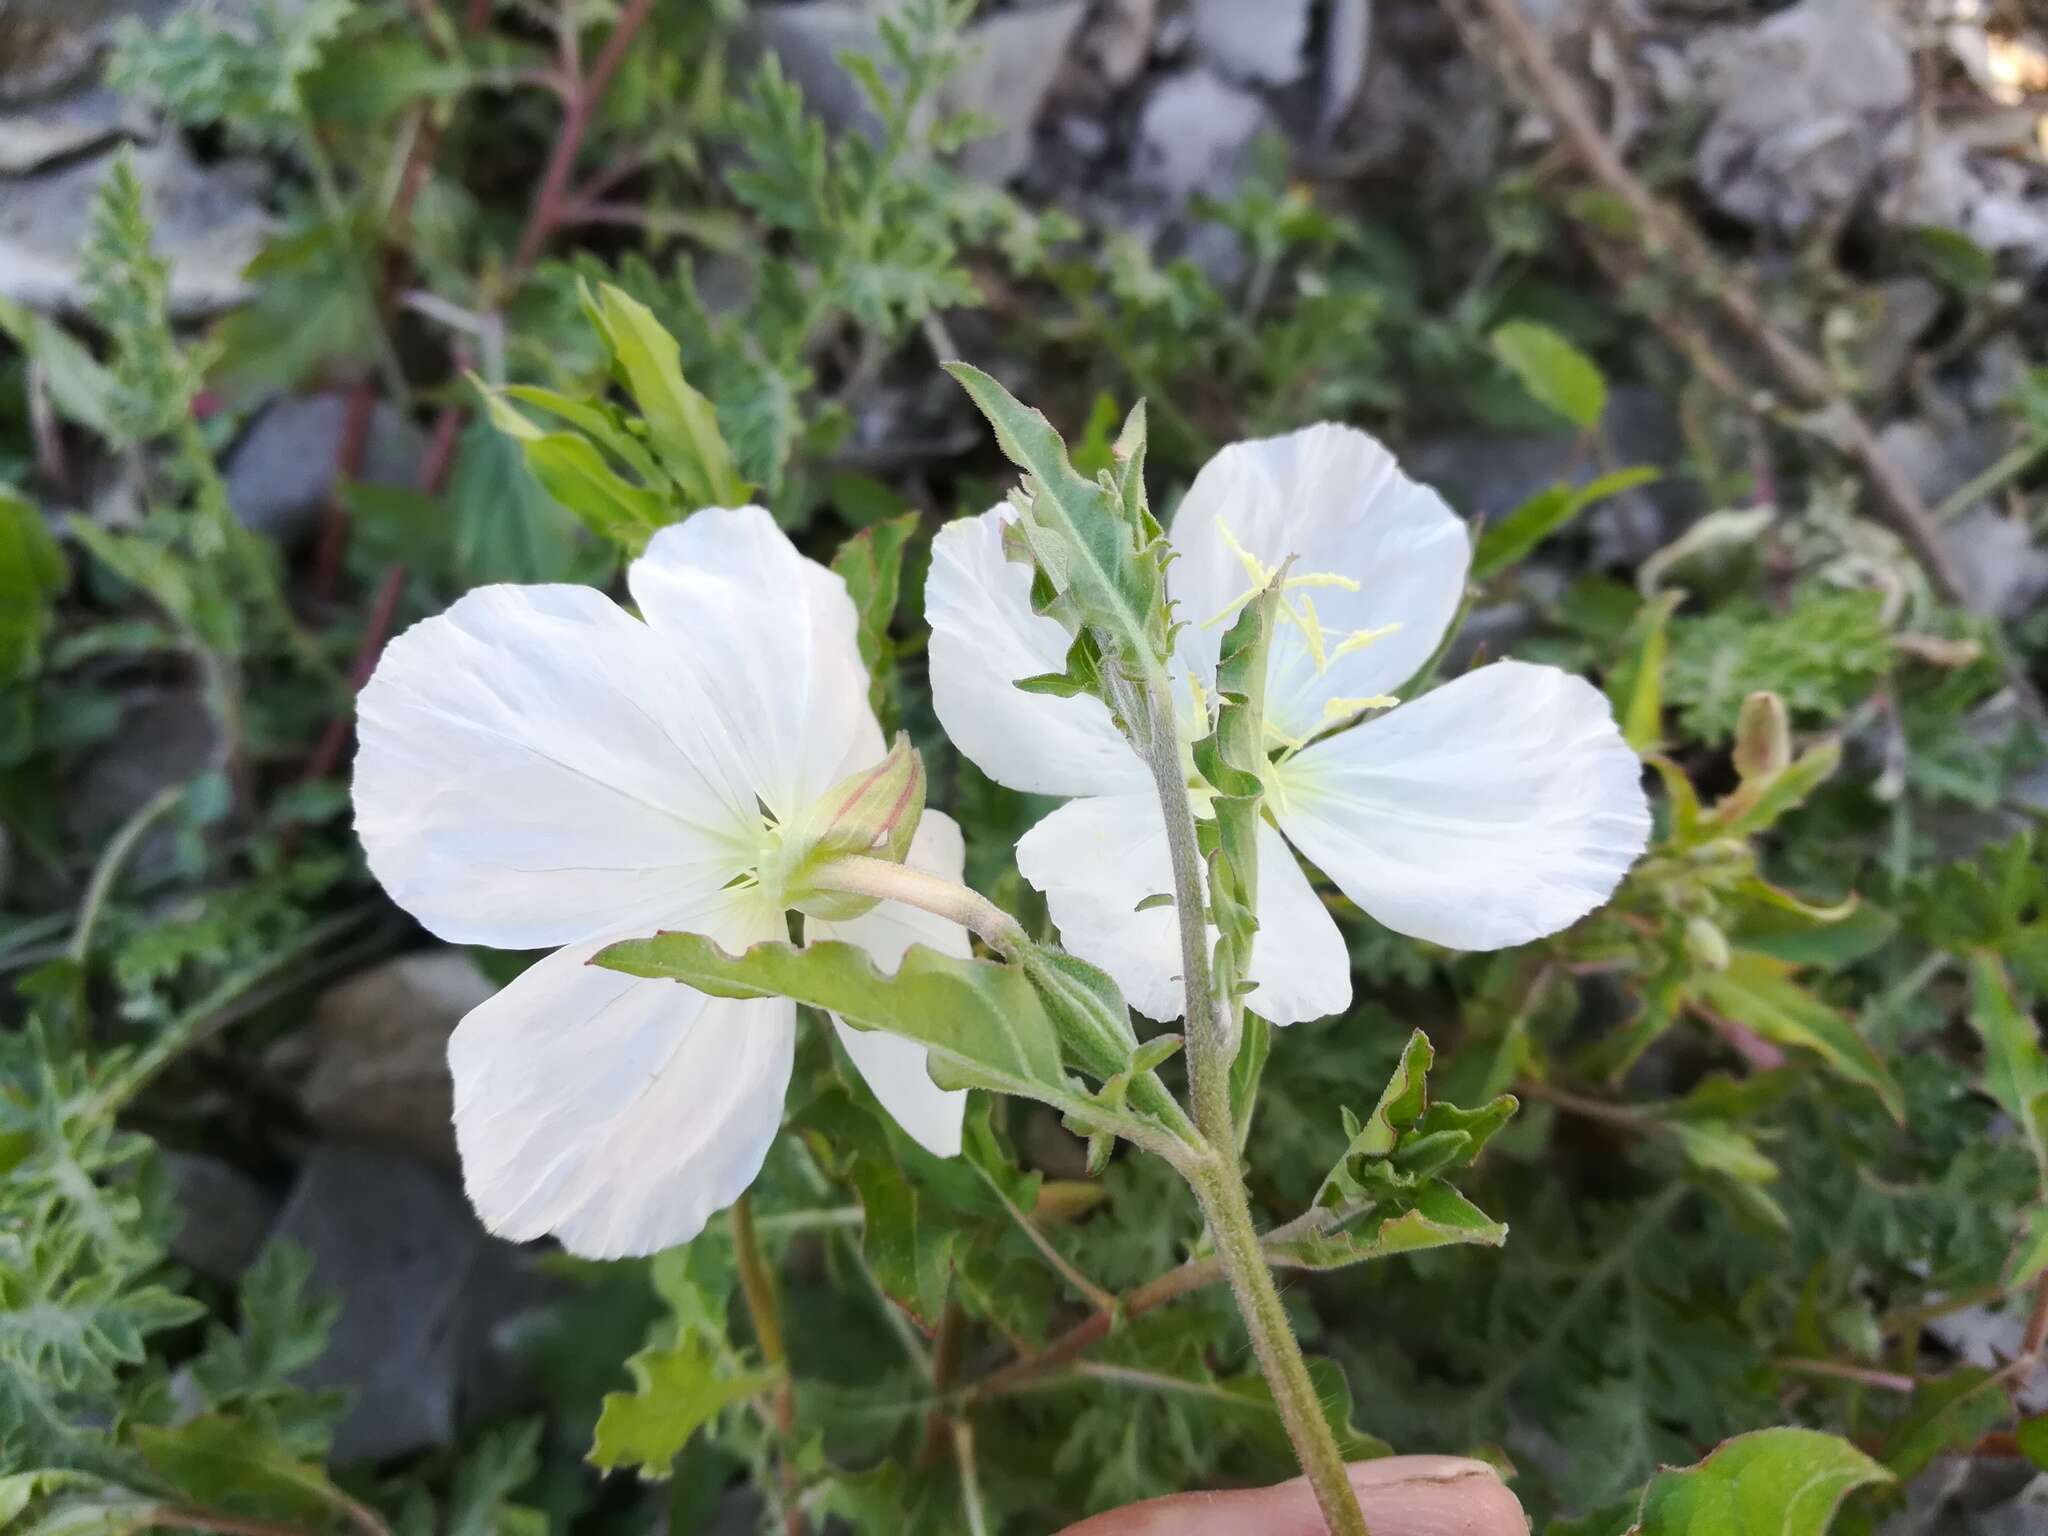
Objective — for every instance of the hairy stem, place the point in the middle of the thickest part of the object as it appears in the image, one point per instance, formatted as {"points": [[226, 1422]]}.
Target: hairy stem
{"points": [[860, 875], [1216, 1181], [764, 1310]]}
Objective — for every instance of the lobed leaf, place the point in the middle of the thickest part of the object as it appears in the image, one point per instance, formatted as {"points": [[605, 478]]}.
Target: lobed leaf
{"points": [[1774, 1482]]}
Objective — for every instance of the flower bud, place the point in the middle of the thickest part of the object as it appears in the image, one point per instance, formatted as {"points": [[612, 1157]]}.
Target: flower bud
{"points": [[1763, 739], [873, 814], [1707, 944]]}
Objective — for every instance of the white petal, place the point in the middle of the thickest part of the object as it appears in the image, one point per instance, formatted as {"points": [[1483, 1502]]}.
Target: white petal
{"points": [[614, 1113], [772, 635], [1095, 860], [1299, 959], [531, 772], [1501, 807], [984, 637], [892, 1066], [1334, 498]]}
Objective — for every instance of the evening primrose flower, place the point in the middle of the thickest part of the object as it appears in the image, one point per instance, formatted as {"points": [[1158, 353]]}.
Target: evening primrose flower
{"points": [[540, 769], [1493, 810]]}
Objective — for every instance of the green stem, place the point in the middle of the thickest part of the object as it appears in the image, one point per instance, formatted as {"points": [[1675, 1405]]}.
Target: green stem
{"points": [[861, 875], [764, 1310], [115, 859], [1300, 1405], [2010, 467], [1215, 1178]]}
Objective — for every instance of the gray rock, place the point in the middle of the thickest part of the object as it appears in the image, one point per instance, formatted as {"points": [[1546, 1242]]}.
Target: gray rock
{"points": [[209, 225], [1488, 474], [373, 1067], [422, 1289], [32, 136], [1118, 39], [1905, 307], [2025, 1514], [49, 45], [1195, 134], [1346, 57], [2002, 570], [1013, 58], [1258, 41], [223, 1214], [1803, 100], [1011, 61], [807, 41], [1940, 459], [282, 471], [1933, 177], [165, 737], [394, 1244], [1991, 1338]]}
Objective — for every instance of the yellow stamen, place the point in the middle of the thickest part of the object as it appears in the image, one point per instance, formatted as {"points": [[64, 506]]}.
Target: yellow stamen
{"points": [[1323, 579], [1311, 629], [1254, 567], [1359, 639], [1343, 709]]}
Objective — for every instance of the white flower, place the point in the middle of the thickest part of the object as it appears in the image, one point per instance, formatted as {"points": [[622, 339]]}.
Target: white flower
{"points": [[1495, 809], [540, 769]]}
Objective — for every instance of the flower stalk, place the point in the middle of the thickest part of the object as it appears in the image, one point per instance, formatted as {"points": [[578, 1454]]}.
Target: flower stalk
{"points": [[1215, 1179], [864, 875]]}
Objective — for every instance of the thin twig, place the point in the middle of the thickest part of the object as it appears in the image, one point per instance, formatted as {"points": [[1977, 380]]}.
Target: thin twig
{"points": [[970, 1479], [384, 607], [358, 414], [1860, 1375], [1095, 1295], [1194, 1275], [757, 1285]]}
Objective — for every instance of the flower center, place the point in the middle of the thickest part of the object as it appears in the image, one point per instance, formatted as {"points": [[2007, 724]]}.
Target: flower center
{"points": [[1324, 646]]}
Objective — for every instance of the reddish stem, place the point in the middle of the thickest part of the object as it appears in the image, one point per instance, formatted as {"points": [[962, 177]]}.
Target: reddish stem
{"points": [[384, 607], [348, 465], [584, 96]]}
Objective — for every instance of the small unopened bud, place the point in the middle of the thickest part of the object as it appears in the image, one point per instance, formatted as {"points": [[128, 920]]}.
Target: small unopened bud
{"points": [[873, 814], [1707, 944], [1763, 738]]}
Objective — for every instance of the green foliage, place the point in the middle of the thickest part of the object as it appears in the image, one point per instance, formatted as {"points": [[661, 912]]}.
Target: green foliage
{"points": [[1554, 371], [871, 563], [243, 72], [152, 380], [1776, 1482], [1821, 656], [1509, 541], [33, 572], [626, 474], [676, 1391]]}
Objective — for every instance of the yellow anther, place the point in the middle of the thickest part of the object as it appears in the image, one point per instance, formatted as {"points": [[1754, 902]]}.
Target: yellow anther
{"points": [[1200, 696], [1311, 629], [1335, 710], [1359, 639], [1254, 567], [1322, 579]]}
